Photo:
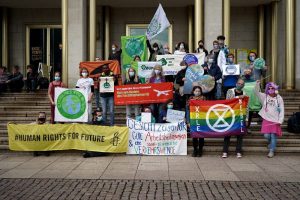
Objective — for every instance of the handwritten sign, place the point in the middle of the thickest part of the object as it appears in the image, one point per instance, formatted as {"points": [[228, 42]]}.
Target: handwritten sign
{"points": [[106, 84], [157, 139], [145, 117], [175, 115]]}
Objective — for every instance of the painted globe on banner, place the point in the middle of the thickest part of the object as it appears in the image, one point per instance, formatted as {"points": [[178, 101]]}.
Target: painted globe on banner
{"points": [[190, 59], [197, 69], [207, 83], [259, 63]]}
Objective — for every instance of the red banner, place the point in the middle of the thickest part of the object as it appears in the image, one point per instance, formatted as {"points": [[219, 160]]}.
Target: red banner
{"points": [[143, 93], [95, 68]]}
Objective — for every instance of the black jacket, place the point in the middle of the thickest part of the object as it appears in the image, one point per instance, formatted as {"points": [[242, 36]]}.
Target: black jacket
{"points": [[214, 71]]}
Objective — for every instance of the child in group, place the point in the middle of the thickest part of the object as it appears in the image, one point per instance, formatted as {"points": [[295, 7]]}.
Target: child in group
{"points": [[272, 113], [198, 143]]}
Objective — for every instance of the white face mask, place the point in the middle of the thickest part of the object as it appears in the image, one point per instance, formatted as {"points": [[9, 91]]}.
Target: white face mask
{"points": [[84, 74], [210, 61], [181, 47], [166, 50], [157, 71], [197, 93], [113, 48], [155, 48], [131, 74]]}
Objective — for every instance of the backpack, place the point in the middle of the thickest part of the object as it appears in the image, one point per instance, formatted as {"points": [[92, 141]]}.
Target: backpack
{"points": [[294, 123]]}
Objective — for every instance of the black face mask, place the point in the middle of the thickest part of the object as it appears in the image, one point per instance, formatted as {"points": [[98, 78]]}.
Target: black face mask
{"points": [[201, 46], [42, 119]]}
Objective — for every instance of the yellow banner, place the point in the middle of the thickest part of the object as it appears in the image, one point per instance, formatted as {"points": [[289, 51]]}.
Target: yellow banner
{"points": [[47, 137]]}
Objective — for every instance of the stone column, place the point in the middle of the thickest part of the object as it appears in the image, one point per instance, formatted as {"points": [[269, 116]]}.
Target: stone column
{"points": [[226, 21], [92, 32], [198, 22], [4, 38], [213, 21], [76, 37], [297, 43]]}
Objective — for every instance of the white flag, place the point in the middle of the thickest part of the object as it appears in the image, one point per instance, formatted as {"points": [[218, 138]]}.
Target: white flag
{"points": [[158, 23]]}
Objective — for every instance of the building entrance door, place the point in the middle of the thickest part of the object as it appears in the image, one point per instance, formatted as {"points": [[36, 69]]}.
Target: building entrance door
{"points": [[44, 48]]}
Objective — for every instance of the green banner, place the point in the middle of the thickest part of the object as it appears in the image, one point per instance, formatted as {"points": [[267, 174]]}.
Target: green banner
{"points": [[132, 46], [254, 103]]}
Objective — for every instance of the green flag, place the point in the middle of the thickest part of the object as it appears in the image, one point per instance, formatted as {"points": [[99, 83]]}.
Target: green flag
{"points": [[254, 103], [132, 46]]}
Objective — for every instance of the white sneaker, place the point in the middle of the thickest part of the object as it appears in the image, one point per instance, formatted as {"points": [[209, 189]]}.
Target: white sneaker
{"points": [[271, 154], [239, 155], [224, 155]]}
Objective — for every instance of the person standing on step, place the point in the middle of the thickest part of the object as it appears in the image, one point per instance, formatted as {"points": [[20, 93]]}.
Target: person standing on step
{"points": [[236, 92], [198, 143], [272, 113], [51, 93]]}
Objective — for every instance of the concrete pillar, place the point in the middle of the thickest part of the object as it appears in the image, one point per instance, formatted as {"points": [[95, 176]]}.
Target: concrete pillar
{"points": [[76, 36], [213, 12], [297, 40]]}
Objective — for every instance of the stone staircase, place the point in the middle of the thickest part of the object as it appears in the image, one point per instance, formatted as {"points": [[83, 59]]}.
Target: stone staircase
{"points": [[23, 108]]}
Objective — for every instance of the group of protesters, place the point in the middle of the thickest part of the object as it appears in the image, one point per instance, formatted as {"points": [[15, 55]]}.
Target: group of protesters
{"points": [[269, 105]]}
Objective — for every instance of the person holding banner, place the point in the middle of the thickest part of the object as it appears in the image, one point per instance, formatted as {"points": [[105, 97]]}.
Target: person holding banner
{"points": [[153, 51], [107, 98], [181, 49], [132, 78], [201, 48], [212, 69], [86, 83], [229, 81], [115, 54], [145, 110], [198, 143], [51, 90], [236, 92], [180, 97], [157, 77], [163, 114], [272, 112]]}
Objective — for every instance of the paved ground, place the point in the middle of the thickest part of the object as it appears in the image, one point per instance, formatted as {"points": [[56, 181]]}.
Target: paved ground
{"points": [[69, 176]]}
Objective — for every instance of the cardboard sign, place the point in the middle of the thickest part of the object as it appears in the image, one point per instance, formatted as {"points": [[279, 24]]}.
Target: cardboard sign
{"points": [[157, 139], [175, 115], [143, 93], [231, 70], [146, 117], [106, 84]]}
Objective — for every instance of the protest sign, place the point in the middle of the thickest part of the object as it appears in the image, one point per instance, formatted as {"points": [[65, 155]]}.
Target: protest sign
{"points": [[145, 117], [48, 137], [193, 74], [218, 118], [71, 105], [106, 84], [254, 103], [145, 69], [175, 115], [206, 82], [231, 70], [171, 63], [143, 93], [95, 68], [157, 139]]}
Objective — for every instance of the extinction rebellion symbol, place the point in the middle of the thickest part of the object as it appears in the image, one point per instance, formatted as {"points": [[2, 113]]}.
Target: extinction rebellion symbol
{"points": [[216, 118], [71, 104]]}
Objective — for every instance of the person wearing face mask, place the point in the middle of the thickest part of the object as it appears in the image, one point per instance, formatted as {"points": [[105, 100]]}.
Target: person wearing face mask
{"points": [[179, 97], [236, 92], [229, 81], [146, 110], [41, 119], [166, 49], [157, 77], [254, 104], [163, 114], [201, 48], [182, 49], [154, 51], [132, 78], [115, 53], [107, 98], [86, 83], [198, 143], [222, 46], [51, 90], [272, 113], [256, 73], [212, 69]]}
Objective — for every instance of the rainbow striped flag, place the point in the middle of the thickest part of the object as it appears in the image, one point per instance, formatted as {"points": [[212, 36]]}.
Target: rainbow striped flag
{"points": [[218, 118]]}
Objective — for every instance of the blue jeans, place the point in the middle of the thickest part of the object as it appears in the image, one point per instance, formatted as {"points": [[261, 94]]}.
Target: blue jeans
{"points": [[110, 102], [97, 95], [272, 140]]}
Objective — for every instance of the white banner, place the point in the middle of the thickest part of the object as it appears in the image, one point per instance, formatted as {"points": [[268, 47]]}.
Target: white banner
{"points": [[175, 115], [157, 139], [171, 62], [231, 70], [106, 84], [145, 69], [71, 105], [158, 23]]}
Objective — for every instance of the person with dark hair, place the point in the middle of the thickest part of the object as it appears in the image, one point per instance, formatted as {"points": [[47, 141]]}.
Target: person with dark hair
{"points": [[198, 143], [31, 79], [232, 93], [256, 73], [146, 110], [86, 83], [137, 58], [182, 48], [115, 53], [201, 48], [272, 113], [229, 81], [179, 97], [3, 79], [15, 80], [212, 69], [42, 119], [51, 92], [154, 50], [162, 118]]}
